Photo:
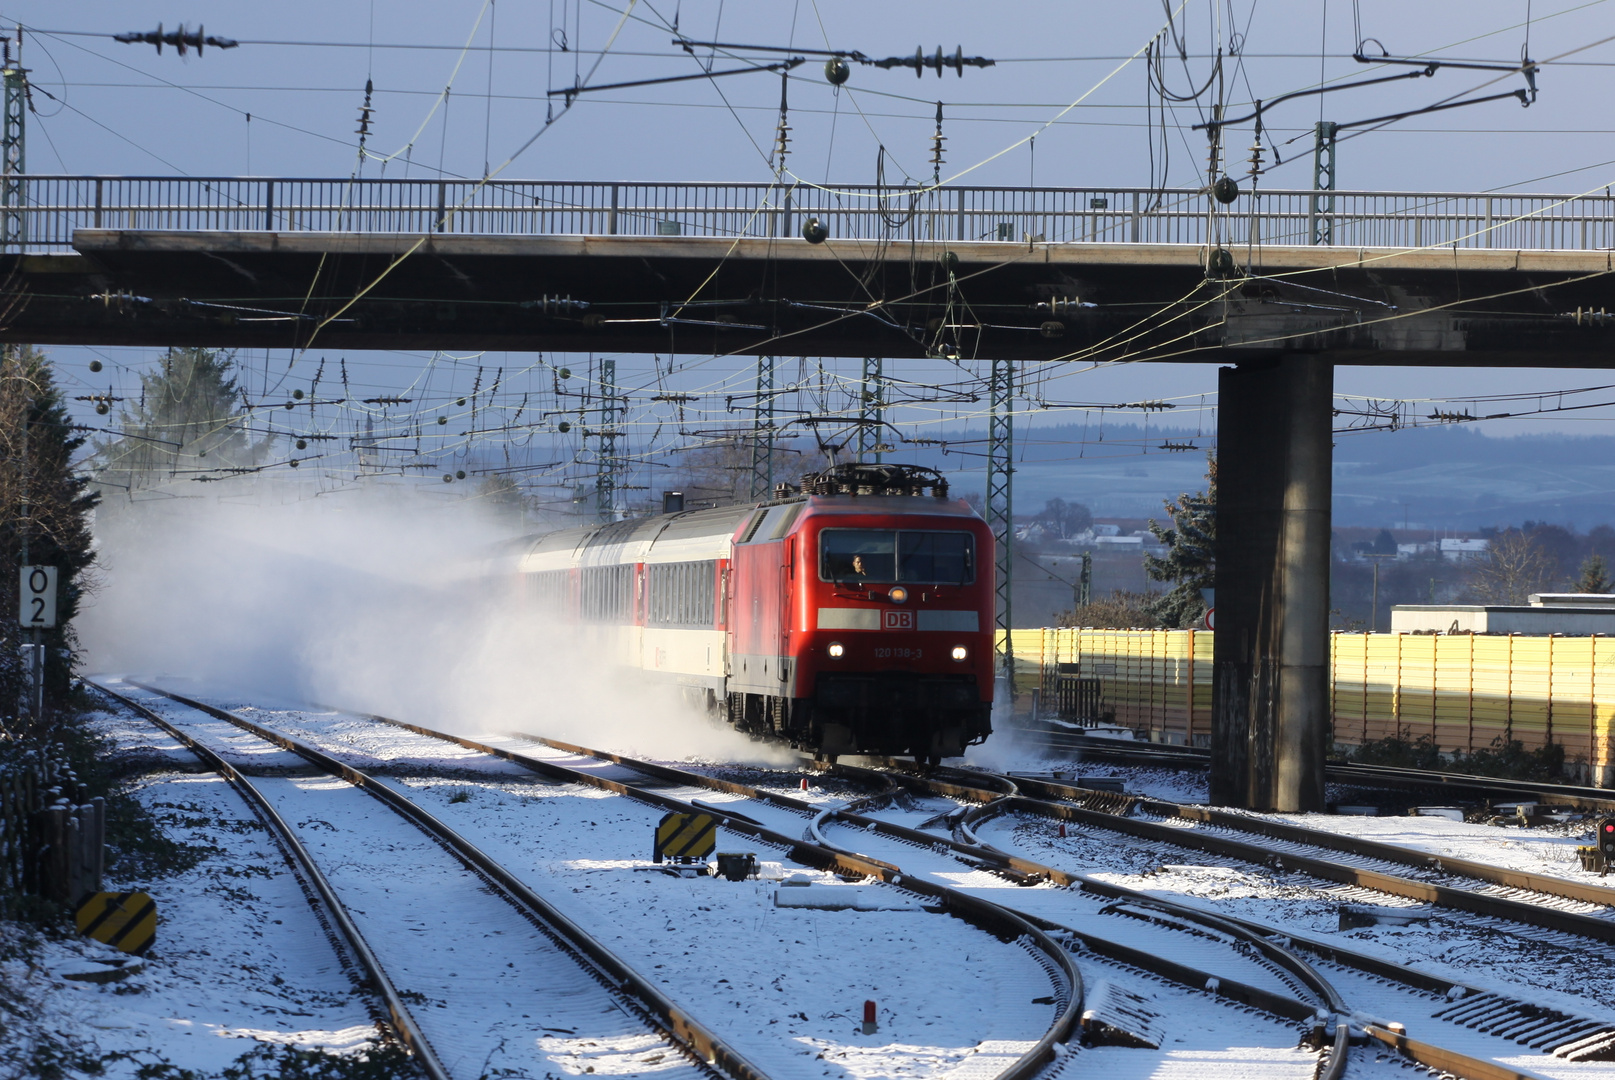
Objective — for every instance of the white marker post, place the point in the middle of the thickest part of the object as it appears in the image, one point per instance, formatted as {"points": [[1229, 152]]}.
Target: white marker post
{"points": [[36, 610], [36, 607]]}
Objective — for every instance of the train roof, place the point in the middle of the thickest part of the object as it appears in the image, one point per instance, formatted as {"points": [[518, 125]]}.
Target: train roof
{"points": [[693, 535], [686, 536], [890, 504]]}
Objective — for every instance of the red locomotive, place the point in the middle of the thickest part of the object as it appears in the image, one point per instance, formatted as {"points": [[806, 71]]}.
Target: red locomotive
{"points": [[853, 614]]}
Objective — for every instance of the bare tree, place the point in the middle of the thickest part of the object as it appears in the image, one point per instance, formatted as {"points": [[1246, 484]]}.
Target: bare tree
{"points": [[1514, 568], [1121, 610], [719, 473]]}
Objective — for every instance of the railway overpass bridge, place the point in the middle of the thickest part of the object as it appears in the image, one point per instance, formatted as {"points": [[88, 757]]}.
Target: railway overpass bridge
{"points": [[1016, 274]]}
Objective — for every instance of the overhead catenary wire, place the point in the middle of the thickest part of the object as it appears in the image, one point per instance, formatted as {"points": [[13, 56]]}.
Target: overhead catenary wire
{"points": [[485, 170]]}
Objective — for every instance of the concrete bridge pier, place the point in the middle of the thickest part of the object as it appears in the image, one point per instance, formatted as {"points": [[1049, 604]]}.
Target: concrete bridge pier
{"points": [[1270, 714]]}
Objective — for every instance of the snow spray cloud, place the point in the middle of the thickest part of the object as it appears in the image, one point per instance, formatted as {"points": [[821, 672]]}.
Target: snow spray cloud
{"points": [[389, 601], [1008, 747]]}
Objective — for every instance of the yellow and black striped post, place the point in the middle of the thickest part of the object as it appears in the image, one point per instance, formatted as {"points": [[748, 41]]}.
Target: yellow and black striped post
{"points": [[686, 837], [124, 920]]}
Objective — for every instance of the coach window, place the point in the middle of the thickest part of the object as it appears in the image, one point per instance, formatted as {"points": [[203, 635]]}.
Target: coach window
{"points": [[681, 594]]}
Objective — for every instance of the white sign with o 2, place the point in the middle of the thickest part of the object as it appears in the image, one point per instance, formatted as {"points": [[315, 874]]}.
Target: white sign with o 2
{"points": [[37, 606]]}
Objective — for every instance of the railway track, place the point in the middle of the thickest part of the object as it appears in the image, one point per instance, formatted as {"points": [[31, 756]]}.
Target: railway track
{"points": [[1458, 1004], [1295, 995], [577, 995], [1442, 1002], [1569, 1036], [780, 821], [1065, 1002], [1564, 908], [1482, 788], [1280, 982], [1557, 1032]]}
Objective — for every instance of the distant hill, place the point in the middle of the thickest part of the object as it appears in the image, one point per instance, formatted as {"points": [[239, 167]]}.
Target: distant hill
{"points": [[1439, 477]]}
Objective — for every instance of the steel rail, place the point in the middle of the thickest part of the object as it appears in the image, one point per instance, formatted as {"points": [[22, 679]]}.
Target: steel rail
{"points": [[1422, 1052], [1577, 797], [990, 858], [981, 913], [1256, 997], [403, 1023], [1264, 938], [1466, 900], [1244, 994], [1352, 845], [1444, 1060], [682, 1029]]}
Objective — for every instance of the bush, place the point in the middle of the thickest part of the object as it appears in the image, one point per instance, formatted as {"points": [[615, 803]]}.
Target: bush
{"points": [[1511, 760], [1399, 752], [1506, 760], [1121, 610]]}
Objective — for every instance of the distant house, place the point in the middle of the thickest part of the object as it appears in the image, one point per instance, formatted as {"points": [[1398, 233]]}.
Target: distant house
{"points": [[1455, 550]]}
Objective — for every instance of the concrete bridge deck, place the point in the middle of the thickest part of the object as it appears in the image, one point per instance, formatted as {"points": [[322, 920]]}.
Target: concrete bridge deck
{"points": [[1033, 301], [1083, 274]]}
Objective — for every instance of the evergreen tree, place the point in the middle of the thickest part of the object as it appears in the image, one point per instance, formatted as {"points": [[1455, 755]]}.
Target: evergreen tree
{"points": [[1594, 575], [185, 421], [37, 446], [1190, 559]]}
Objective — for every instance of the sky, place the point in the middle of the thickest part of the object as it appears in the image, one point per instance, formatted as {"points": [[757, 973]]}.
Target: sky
{"points": [[461, 88]]}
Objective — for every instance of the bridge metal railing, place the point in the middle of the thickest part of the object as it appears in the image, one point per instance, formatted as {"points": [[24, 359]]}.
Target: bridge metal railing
{"points": [[54, 206]]}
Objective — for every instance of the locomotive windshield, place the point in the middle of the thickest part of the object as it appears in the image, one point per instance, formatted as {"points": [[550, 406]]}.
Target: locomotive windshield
{"points": [[887, 555]]}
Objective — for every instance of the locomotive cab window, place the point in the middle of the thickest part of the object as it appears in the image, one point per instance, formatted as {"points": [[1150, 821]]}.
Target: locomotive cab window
{"points": [[883, 555]]}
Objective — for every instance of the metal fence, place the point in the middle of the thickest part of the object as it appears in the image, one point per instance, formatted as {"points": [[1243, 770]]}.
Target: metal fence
{"points": [[1463, 691], [52, 835], [53, 206]]}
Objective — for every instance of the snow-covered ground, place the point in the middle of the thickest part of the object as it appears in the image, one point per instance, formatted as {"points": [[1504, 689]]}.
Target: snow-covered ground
{"points": [[239, 954], [784, 985], [1541, 849]]}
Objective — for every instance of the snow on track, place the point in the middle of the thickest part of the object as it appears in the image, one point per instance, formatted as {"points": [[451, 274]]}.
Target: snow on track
{"points": [[1451, 943], [239, 953], [784, 986], [488, 989]]}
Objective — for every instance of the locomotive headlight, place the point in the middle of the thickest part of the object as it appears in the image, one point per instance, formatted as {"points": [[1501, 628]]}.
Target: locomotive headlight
{"points": [[898, 594], [960, 652], [835, 650]]}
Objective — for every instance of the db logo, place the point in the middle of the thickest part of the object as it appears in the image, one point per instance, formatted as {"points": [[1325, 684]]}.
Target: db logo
{"points": [[899, 620]]}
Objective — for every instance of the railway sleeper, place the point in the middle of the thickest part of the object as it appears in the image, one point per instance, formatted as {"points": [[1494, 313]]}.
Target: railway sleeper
{"points": [[1537, 1026]]}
